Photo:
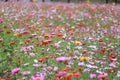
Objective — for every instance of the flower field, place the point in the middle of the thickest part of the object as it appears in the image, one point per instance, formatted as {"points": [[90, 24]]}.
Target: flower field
{"points": [[59, 41]]}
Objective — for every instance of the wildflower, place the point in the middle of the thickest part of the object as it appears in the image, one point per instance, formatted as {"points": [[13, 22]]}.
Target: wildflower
{"points": [[1, 30], [5, 27], [112, 70], [41, 60], [59, 34], [102, 51], [81, 25], [61, 73], [67, 69], [102, 76], [118, 74], [84, 59], [76, 74], [16, 70], [59, 59], [16, 34], [8, 32], [113, 64], [67, 77], [12, 43], [2, 79], [77, 42], [27, 41], [93, 75], [81, 64], [57, 45], [26, 32], [26, 73], [1, 40], [44, 42], [32, 54], [49, 68], [40, 76], [113, 57]]}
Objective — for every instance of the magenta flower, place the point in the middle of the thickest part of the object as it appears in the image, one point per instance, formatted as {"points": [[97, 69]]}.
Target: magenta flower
{"points": [[16, 70], [26, 32]]}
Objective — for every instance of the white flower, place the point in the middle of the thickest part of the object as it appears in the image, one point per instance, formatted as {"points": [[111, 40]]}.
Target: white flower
{"points": [[118, 74]]}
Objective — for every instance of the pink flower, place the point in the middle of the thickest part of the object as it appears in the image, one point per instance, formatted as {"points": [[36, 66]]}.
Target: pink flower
{"points": [[61, 73], [16, 70], [56, 45], [26, 32], [40, 76], [102, 76], [93, 76], [32, 54], [62, 59], [26, 72]]}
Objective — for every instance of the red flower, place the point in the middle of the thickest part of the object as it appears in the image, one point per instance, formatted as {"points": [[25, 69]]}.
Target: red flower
{"points": [[8, 32], [41, 60], [26, 32], [27, 41], [76, 74], [12, 43], [112, 57], [59, 34], [44, 42], [1, 30], [1, 40], [81, 25], [2, 79], [102, 51], [112, 70], [5, 26]]}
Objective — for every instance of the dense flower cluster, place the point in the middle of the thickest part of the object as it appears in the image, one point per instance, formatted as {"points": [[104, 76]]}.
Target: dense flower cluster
{"points": [[59, 41]]}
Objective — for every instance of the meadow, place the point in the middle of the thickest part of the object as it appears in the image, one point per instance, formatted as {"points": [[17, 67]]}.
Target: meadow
{"points": [[59, 41]]}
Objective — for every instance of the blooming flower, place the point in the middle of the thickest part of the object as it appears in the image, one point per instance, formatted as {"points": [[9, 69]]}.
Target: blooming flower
{"points": [[93, 75], [40, 76], [102, 76], [26, 72], [62, 59], [16, 70], [78, 43]]}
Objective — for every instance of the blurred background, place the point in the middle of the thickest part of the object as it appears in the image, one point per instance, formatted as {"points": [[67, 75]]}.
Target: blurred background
{"points": [[74, 1]]}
